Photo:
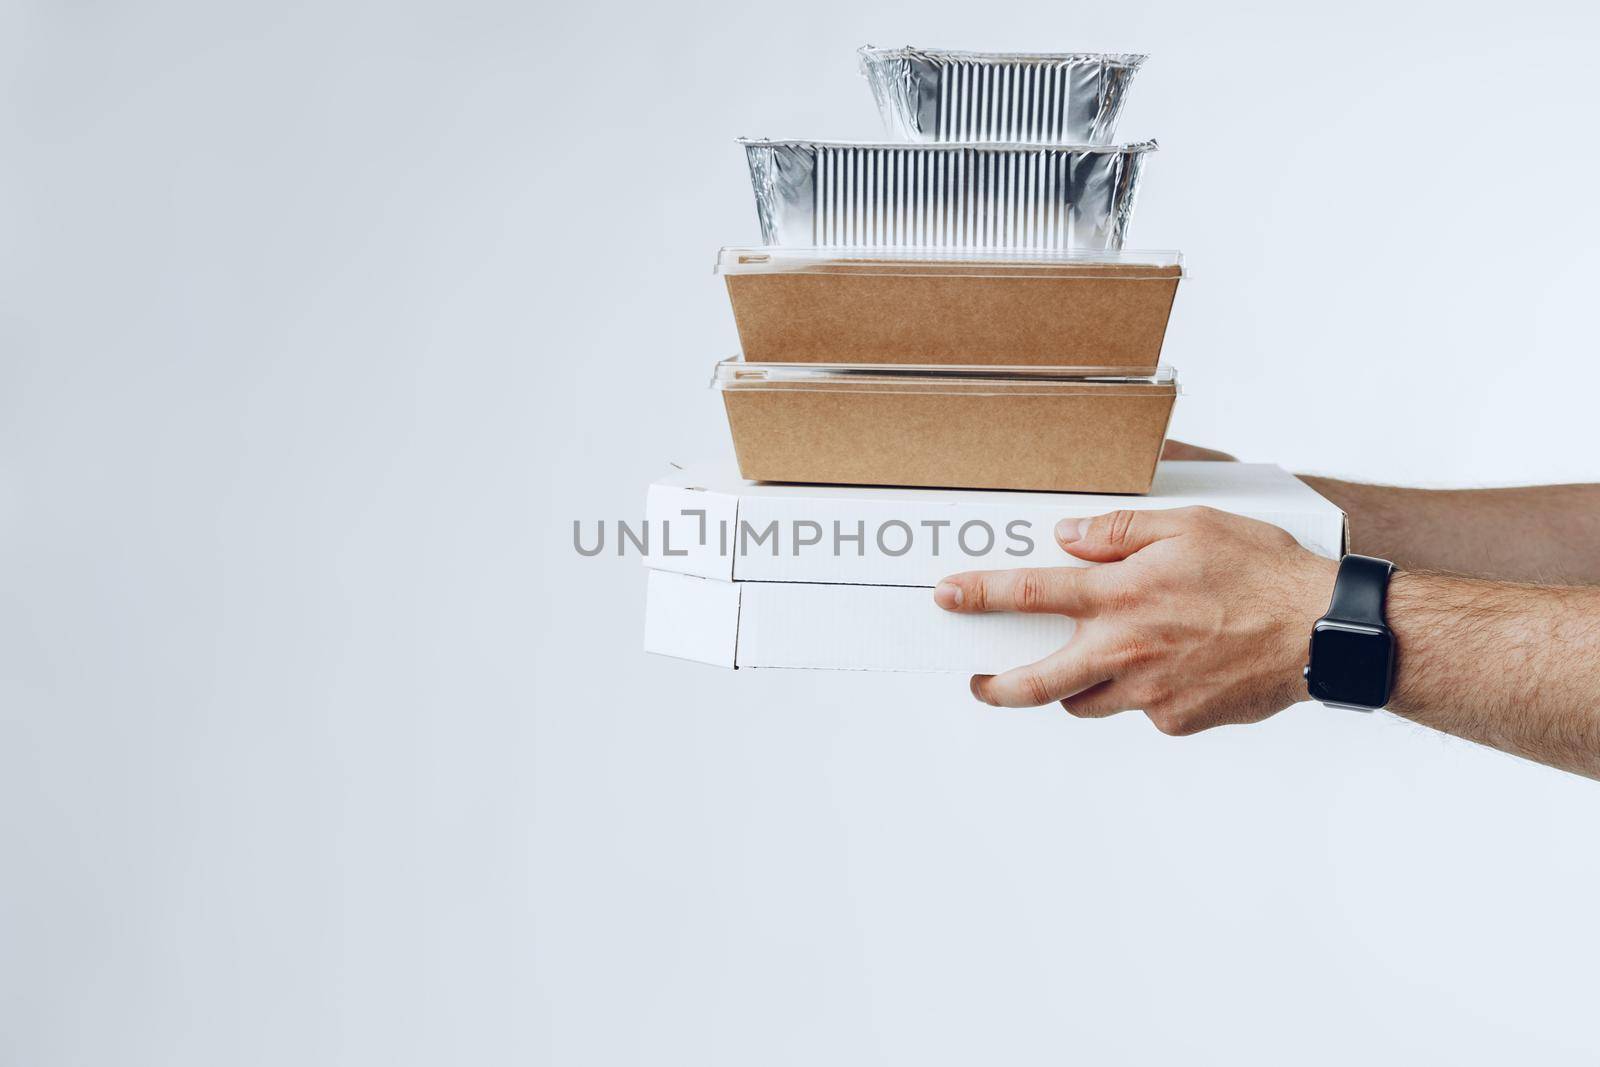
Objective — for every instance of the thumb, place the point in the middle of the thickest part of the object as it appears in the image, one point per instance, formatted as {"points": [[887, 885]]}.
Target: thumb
{"points": [[1117, 534]]}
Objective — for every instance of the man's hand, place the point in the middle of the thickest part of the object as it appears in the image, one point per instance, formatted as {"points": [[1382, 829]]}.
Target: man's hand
{"points": [[1181, 451], [1197, 617]]}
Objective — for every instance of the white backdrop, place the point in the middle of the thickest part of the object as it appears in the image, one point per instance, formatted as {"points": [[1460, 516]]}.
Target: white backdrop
{"points": [[318, 744]]}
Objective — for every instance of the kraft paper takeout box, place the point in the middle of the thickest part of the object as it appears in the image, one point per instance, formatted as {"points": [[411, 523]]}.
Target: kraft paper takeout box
{"points": [[1107, 310], [772, 605], [980, 429]]}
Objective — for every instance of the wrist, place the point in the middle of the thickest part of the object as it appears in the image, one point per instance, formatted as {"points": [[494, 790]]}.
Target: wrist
{"points": [[1309, 592]]}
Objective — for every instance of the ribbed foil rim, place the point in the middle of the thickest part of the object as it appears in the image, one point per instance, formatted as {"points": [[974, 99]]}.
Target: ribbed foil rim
{"points": [[953, 146], [1130, 60]]}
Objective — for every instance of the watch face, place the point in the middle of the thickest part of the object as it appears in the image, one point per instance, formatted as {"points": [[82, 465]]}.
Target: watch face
{"points": [[1350, 665]]}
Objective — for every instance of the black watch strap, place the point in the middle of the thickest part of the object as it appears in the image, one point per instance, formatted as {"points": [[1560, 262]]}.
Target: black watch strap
{"points": [[1360, 590]]}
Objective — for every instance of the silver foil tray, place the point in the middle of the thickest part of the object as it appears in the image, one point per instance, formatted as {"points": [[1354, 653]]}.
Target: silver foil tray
{"points": [[1064, 98], [831, 194]]}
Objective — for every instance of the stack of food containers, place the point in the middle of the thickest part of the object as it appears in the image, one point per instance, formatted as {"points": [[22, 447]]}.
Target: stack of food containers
{"points": [[956, 309]]}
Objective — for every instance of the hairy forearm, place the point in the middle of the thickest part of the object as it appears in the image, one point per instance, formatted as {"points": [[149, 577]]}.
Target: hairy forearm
{"points": [[1516, 667], [1546, 534]]}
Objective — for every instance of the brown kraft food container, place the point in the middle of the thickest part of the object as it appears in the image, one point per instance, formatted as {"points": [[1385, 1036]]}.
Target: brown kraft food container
{"points": [[1107, 311], [940, 428]]}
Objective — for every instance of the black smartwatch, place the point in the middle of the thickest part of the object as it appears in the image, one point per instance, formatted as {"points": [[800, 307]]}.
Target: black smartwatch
{"points": [[1352, 647]]}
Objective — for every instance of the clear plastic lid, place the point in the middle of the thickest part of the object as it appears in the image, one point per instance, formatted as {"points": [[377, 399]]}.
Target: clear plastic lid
{"points": [[737, 374], [978, 262]]}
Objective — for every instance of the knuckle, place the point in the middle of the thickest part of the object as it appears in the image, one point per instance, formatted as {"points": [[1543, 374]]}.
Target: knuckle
{"points": [[1127, 593], [1031, 593], [1170, 723], [1119, 524], [1135, 651], [1177, 719], [1155, 697], [975, 594], [1033, 688]]}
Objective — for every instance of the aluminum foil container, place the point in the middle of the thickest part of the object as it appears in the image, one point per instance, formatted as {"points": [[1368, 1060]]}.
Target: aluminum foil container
{"points": [[839, 195], [1067, 98]]}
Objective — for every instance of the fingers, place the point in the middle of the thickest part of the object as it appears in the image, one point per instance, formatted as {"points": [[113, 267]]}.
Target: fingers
{"points": [[1182, 451], [1099, 701], [1059, 590], [1060, 674], [1119, 534]]}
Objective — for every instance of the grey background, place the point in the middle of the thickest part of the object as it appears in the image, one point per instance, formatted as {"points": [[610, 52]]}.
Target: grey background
{"points": [[318, 744]]}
